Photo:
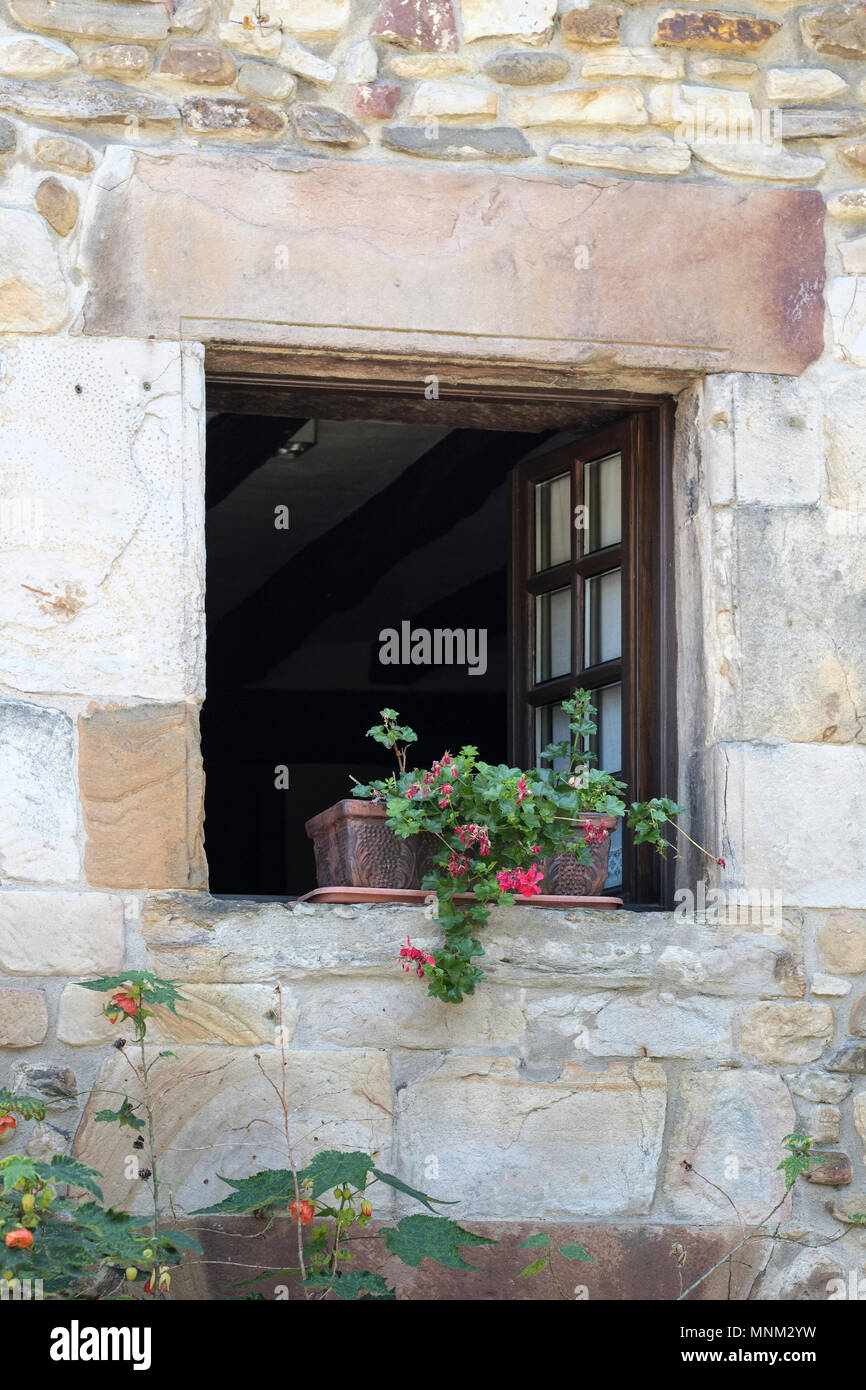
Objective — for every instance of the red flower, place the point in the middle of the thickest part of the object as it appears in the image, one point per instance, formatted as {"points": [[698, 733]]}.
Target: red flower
{"points": [[7, 1122], [522, 790], [307, 1212], [523, 881], [595, 834], [722, 862], [124, 1001], [19, 1240], [411, 953]]}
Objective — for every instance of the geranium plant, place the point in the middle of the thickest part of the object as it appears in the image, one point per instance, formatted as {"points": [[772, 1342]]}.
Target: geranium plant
{"points": [[497, 825]]}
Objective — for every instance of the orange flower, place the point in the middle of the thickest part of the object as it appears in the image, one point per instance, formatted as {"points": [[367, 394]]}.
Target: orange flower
{"points": [[20, 1239], [125, 1002], [7, 1122], [307, 1212]]}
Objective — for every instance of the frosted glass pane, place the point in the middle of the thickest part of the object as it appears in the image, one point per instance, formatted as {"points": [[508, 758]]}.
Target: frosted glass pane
{"points": [[551, 726], [602, 496], [552, 634], [609, 704], [603, 631], [552, 522]]}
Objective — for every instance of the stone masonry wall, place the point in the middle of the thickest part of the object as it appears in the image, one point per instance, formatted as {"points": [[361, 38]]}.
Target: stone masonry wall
{"points": [[604, 1050]]}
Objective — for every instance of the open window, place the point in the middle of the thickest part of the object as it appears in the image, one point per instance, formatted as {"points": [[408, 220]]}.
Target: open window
{"points": [[341, 532]]}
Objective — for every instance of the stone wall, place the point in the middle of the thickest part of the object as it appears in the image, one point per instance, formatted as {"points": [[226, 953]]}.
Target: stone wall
{"points": [[603, 1051]]}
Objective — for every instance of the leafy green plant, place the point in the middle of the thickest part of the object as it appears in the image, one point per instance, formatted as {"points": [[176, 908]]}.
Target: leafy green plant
{"points": [[496, 826], [334, 1210], [543, 1264]]}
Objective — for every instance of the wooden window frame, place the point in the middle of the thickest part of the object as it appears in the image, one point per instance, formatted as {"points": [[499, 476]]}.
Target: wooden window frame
{"points": [[511, 396], [640, 557]]}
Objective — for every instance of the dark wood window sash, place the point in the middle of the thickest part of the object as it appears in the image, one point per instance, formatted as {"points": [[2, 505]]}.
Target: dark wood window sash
{"points": [[642, 556]]}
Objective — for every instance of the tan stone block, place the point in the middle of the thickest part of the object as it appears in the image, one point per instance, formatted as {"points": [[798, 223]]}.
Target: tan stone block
{"points": [[587, 1144], [796, 1032], [188, 60], [220, 1096], [452, 99], [142, 797], [236, 1015], [60, 933], [417, 66], [467, 288], [528, 20], [821, 1122], [591, 24], [634, 62], [376, 1013], [600, 106], [58, 205], [860, 1116], [61, 153], [23, 1017], [121, 60], [795, 86], [730, 1131], [307, 19], [842, 943]]}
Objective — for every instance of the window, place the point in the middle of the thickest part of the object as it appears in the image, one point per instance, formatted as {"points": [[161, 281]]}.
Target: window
{"points": [[585, 607], [542, 521]]}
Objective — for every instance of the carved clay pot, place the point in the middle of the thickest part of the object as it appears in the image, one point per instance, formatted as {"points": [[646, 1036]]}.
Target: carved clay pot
{"points": [[563, 876], [354, 848]]}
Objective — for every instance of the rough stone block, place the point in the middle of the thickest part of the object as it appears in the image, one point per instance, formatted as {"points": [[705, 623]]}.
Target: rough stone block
{"points": [[428, 25], [338, 1100], [585, 1145], [93, 19], [24, 55], [60, 933], [236, 1015], [452, 100], [374, 1013], [108, 596], [61, 153], [730, 1132], [58, 205], [33, 295], [37, 806], [122, 60], [23, 1017], [531, 21], [714, 29], [622, 106], [140, 775], [842, 943], [786, 1032], [307, 19]]}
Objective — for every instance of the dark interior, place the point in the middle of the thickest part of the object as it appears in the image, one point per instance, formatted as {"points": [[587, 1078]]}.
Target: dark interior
{"points": [[387, 523]]}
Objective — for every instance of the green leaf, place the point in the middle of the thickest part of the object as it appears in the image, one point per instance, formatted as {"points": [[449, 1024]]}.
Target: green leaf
{"points": [[271, 1188], [65, 1168], [533, 1242], [14, 1168], [124, 1116], [410, 1191], [433, 1237], [28, 1107], [179, 1240], [575, 1252], [332, 1168], [352, 1284], [167, 1054], [535, 1268], [114, 1232]]}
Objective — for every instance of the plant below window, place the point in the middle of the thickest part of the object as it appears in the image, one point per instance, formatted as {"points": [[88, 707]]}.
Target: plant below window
{"points": [[497, 827]]}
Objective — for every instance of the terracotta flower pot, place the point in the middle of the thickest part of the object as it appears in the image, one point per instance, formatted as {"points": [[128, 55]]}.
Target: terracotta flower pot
{"points": [[355, 848], [563, 876]]}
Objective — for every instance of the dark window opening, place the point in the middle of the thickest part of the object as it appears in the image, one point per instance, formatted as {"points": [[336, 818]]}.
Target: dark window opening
{"points": [[333, 543], [382, 526]]}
